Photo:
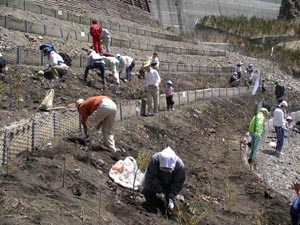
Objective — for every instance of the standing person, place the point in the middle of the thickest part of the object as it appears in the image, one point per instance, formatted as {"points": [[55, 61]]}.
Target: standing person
{"points": [[154, 61], [164, 179], [295, 207], [2, 63], [95, 61], [152, 81], [126, 65], [169, 91], [56, 65], [279, 124], [113, 65], [249, 71], [95, 32], [256, 127], [95, 113], [238, 70], [279, 91], [106, 39]]}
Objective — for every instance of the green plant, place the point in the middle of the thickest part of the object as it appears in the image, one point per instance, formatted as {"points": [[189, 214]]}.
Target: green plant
{"points": [[260, 218], [228, 197], [194, 218]]}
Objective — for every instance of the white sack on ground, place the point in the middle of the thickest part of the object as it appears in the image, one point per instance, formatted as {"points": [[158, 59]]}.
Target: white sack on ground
{"points": [[124, 171]]}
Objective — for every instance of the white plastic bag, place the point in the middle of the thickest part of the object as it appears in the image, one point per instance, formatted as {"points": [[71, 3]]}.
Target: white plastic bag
{"points": [[48, 100], [126, 173]]}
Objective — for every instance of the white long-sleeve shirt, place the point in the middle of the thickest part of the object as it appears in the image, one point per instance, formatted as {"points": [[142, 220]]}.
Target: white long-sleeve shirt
{"points": [[56, 60], [94, 56], [278, 118], [152, 78]]}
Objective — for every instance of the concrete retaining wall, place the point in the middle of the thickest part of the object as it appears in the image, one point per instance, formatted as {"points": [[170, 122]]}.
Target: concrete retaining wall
{"points": [[182, 15]]}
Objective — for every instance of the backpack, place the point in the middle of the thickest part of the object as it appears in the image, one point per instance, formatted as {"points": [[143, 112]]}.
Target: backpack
{"points": [[67, 59]]}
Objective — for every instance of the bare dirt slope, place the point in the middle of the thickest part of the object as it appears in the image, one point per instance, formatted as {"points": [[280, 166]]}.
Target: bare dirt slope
{"points": [[43, 187], [206, 137]]}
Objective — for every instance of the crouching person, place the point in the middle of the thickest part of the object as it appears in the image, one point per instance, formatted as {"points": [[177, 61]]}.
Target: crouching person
{"points": [[97, 113], [164, 179], [56, 65]]}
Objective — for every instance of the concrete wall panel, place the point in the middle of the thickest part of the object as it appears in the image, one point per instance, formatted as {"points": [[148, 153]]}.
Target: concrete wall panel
{"points": [[183, 14]]}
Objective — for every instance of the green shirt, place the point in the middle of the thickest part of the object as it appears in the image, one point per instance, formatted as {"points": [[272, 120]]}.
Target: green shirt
{"points": [[257, 124]]}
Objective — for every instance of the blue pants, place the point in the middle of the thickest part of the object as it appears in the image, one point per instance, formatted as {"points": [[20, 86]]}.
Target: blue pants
{"points": [[295, 218], [280, 138], [129, 69], [255, 139]]}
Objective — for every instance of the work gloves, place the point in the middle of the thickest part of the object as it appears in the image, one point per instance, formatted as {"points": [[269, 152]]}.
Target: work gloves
{"points": [[161, 196], [170, 201], [171, 204]]}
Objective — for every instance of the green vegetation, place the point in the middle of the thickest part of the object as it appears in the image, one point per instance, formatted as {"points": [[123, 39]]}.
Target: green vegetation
{"points": [[253, 27]]}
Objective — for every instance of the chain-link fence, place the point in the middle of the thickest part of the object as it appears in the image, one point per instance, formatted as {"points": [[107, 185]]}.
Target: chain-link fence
{"points": [[67, 16], [40, 29], [20, 55], [36, 132]]}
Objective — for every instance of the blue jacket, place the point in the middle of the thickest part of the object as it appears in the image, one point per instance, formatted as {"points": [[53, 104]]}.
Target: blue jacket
{"points": [[295, 207]]}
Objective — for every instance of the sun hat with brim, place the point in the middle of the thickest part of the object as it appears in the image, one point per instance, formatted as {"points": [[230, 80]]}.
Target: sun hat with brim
{"points": [[169, 82], [167, 159], [276, 82], [264, 110], [146, 63], [289, 118], [283, 104]]}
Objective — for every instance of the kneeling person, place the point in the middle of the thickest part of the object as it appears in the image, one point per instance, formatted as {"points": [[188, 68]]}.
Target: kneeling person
{"points": [[164, 179]]}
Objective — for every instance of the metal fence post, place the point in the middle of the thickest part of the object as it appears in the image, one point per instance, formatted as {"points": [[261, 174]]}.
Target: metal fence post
{"points": [[42, 58], [61, 33], [79, 124], [121, 112], [4, 150], [18, 55], [33, 135], [24, 5], [6, 22], [26, 26], [81, 61], [54, 125], [45, 30]]}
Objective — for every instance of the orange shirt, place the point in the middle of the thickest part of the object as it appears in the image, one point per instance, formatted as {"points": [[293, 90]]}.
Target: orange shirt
{"points": [[89, 106]]}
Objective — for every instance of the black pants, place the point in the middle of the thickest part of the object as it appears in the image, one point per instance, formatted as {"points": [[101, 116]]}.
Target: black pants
{"points": [[99, 66], [170, 102], [2, 63]]}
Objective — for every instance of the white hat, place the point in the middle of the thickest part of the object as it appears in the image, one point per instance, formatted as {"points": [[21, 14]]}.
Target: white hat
{"points": [[0, 54], [169, 82], [235, 73], [289, 118], [146, 63], [118, 55], [78, 102], [264, 110], [283, 103], [167, 158]]}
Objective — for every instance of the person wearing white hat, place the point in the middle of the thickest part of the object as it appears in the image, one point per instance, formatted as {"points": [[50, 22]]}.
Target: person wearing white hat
{"points": [[256, 128], [288, 124], [2, 63], [164, 179], [169, 91], [152, 81], [279, 124], [96, 113], [249, 72]]}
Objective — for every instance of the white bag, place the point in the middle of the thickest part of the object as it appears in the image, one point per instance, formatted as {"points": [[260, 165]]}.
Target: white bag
{"points": [[126, 173], [48, 100]]}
